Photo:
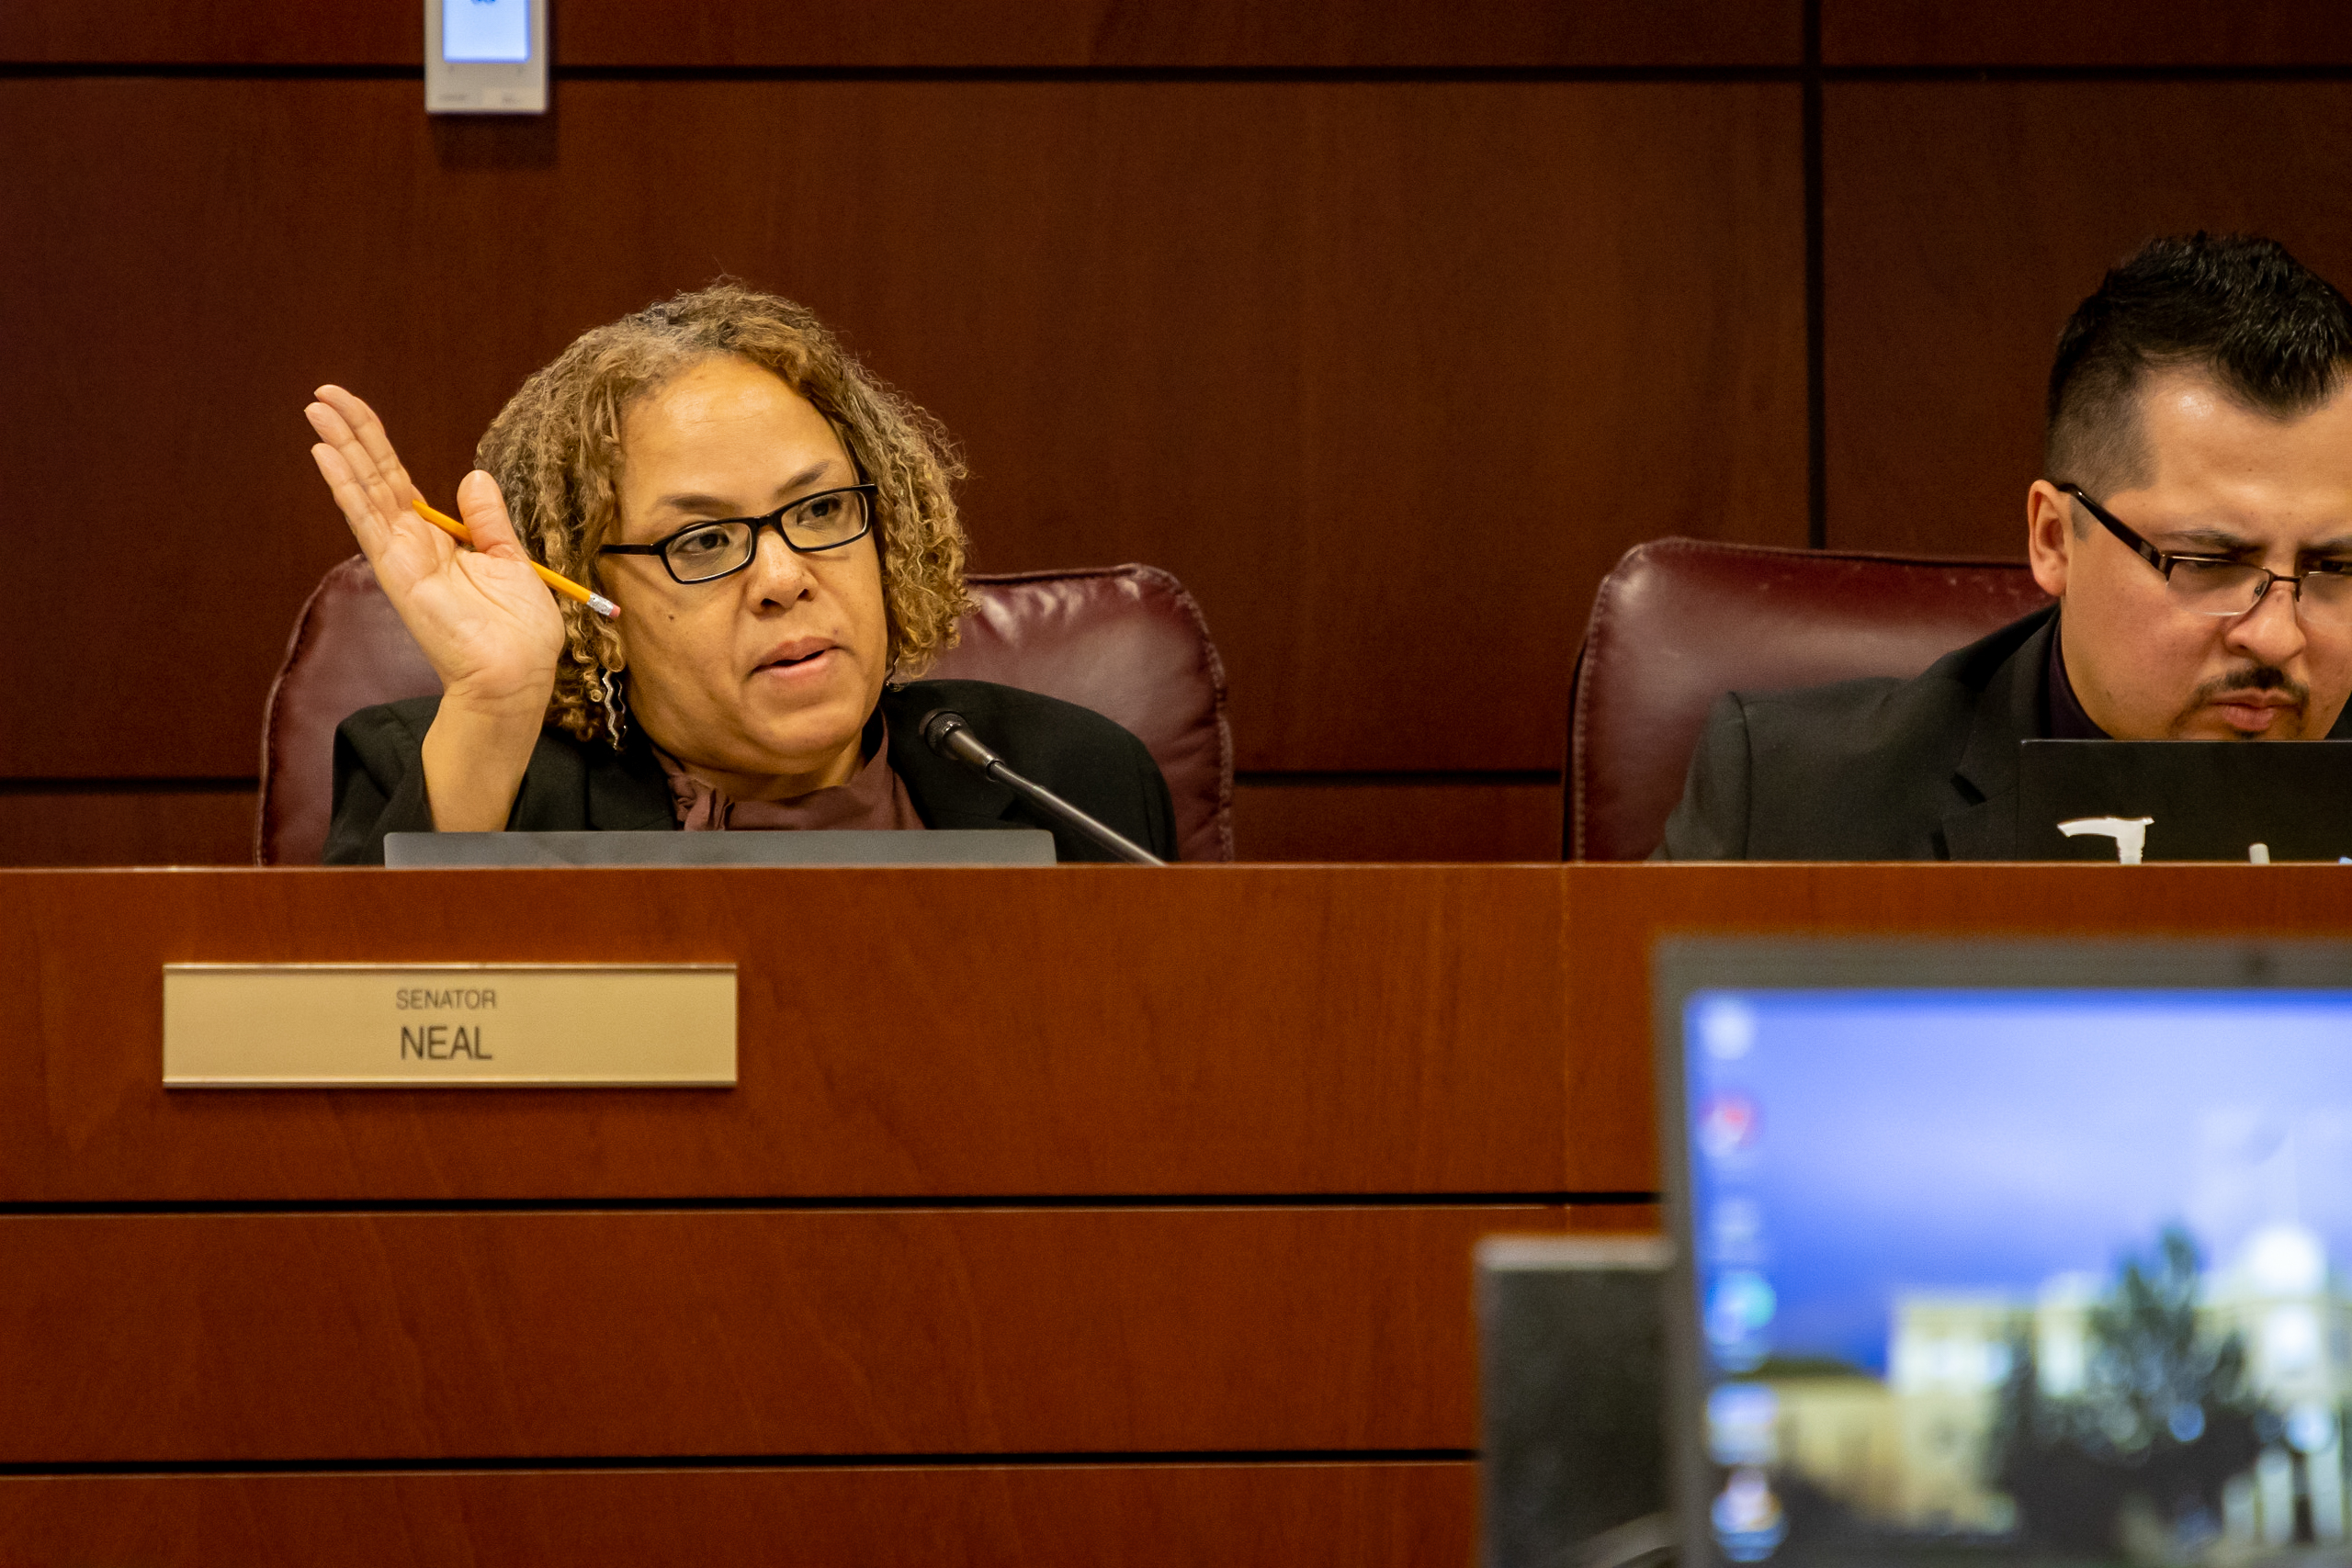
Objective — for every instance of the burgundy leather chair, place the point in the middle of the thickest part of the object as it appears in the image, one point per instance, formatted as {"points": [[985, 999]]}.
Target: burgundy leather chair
{"points": [[1679, 622], [1126, 642]]}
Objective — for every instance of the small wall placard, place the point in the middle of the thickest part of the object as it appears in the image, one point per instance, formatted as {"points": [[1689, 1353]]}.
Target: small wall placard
{"points": [[454, 1025]]}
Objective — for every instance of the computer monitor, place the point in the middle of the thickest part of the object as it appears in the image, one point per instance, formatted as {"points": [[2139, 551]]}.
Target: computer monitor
{"points": [[2008, 1253]]}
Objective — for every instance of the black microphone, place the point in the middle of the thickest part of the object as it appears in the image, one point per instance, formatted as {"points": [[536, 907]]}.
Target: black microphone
{"points": [[948, 734]]}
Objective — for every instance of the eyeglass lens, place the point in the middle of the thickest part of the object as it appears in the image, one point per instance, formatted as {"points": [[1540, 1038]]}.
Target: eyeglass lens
{"points": [[2232, 588], [820, 523]]}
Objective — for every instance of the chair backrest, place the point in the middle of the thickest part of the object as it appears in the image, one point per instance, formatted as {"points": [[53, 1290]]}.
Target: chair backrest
{"points": [[1126, 642], [1679, 622]]}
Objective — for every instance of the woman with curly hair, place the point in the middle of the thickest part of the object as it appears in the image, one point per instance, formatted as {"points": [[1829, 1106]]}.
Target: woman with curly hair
{"points": [[777, 531]]}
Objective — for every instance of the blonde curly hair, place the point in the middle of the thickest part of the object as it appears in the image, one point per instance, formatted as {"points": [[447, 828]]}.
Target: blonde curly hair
{"points": [[555, 450]]}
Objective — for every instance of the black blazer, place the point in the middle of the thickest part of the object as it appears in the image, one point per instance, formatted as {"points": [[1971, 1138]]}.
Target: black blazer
{"points": [[1925, 769], [1880, 769], [571, 784]]}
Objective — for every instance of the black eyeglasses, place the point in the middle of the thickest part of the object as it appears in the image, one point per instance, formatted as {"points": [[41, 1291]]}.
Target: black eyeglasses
{"points": [[2216, 585], [704, 552]]}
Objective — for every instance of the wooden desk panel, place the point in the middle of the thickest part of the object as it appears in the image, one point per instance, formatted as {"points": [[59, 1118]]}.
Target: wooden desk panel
{"points": [[1247, 1031], [1932, 33], [172, 1339], [1216, 1029], [1176, 1515], [1211, 1030]]}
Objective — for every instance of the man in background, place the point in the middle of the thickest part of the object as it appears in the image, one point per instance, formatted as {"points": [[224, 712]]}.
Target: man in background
{"points": [[2195, 524]]}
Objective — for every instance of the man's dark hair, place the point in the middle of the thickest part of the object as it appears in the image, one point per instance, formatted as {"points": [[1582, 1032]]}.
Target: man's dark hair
{"points": [[2273, 334]]}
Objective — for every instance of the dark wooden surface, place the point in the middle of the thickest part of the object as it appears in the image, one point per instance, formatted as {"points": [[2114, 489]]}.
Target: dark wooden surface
{"points": [[212, 32], [1305, 818], [2085, 32], [161, 1339], [968, 33], [1176, 1515], [1233, 33], [1210, 1031], [904, 1034], [1966, 220], [47, 824]]}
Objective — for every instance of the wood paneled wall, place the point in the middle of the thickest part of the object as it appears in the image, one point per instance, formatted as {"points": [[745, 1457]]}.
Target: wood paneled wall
{"points": [[1387, 327]]}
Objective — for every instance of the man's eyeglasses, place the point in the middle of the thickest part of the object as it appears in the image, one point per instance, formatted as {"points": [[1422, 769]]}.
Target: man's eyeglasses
{"points": [[2217, 585], [704, 552]]}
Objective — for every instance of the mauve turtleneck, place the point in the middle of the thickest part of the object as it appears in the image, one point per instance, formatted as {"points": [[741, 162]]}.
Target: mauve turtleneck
{"points": [[873, 797]]}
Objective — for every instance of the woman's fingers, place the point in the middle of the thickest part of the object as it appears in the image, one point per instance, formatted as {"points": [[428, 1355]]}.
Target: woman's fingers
{"points": [[380, 495], [351, 427], [351, 498], [483, 510], [369, 481], [367, 431], [403, 547]]}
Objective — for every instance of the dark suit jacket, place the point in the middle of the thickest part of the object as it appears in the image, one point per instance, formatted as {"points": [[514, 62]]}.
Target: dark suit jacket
{"points": [[1880, 769], [572, 785], [1925, 769]]}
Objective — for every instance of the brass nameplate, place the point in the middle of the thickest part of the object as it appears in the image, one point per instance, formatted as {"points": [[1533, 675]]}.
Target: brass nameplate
{"points": [[415, 1025]]}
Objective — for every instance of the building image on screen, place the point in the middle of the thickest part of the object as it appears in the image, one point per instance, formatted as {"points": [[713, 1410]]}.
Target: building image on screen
{"points": [[485, 32], [2047, 1277]]}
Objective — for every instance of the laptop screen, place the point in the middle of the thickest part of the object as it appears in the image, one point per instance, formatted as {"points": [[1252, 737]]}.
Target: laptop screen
{"points": [[2008, 1274]]}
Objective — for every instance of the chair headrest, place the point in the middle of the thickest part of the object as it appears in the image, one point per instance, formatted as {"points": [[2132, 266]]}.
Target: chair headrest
{"points": [[1679, 622]]}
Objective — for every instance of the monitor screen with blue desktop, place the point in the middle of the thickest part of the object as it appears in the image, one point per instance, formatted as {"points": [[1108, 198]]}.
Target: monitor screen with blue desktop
{"points": [[2024, 1253]]}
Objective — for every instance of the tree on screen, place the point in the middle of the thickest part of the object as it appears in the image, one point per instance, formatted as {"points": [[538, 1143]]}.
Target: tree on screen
{"points": [[2164, 1415]]}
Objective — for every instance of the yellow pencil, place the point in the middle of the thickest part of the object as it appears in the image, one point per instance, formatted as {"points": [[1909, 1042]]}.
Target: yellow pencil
{"points": [[554, 580]]}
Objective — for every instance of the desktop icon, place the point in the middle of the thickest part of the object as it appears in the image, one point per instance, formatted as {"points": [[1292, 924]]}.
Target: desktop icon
{"points": [[1743, 1424], [1749, 1522], [1728, 1126], [1728, 1027], [1736, 1231], [1739, 1310]]}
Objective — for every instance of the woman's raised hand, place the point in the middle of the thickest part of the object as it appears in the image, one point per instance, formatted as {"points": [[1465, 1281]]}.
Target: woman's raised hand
{"points": [[486, 622]]}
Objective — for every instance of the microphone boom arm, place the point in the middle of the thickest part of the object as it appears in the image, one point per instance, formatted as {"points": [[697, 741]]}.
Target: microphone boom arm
{"points": [[948, 734]]}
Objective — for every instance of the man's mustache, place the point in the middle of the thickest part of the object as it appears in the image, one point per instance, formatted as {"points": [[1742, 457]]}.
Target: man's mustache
{"points": [[2255, 678]]}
